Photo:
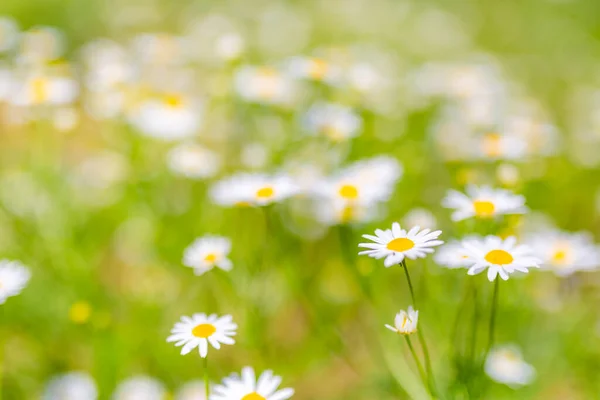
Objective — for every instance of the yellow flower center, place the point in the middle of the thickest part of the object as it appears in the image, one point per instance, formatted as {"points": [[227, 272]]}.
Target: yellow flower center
{"points": [[39, 87], [483, 208], [318, 69], [267, 82], [492, 144], [204, 330], [499, 257], [348, 192], [173, 101], [560, 257], [253, 396], [210, 257], [400, 244], [265, 193]]}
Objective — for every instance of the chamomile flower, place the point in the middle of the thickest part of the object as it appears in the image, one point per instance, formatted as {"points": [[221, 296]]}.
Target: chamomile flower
{"points": [[42, 89], [71, 386], [247, 387], [500, 257], [265, 85], [421, 217], [208, 252], [247, 189], [199, 330], [451, 255], [9, 34], [334, 121], [171, 117], [193, 390], [501, 146], [405, 322], [395, 244], [140, 388], [13, 278], [505, 364], [564, 252], [483, 202], [315, 69], [193, 161]]}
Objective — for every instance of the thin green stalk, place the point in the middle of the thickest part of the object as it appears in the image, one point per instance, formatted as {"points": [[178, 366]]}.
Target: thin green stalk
{"points": [[206, 384], [417, 362], [492, 327], [420, 335]]}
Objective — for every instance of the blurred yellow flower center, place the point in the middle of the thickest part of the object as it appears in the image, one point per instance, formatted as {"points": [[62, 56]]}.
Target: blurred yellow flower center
{"points": [[333, 133], [318, 69], [400, 244], [492, 144], [39, 87], [560, 257], [204, 330], [483, 208], [210, 257], [253, 396], [173, 101], [349, 192], [498, 257], [265, 193], [267, 82]]}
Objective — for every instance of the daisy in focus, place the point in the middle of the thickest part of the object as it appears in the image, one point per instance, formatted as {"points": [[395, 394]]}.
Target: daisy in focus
{"points": [[483, 202], [452, 255], [208, 252], [13, 278], [247, 189], [505, 364], [500, 256], [395, 244], [199, 330], [247, 387], [334, 121], [405, 322], [564, 252]]}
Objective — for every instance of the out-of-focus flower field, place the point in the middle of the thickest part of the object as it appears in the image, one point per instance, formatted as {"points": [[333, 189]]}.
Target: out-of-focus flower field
{"points": [[164, 161]]}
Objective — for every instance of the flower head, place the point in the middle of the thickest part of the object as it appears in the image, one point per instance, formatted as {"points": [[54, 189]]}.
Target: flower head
{"points": [[199, 330], [396, 243], [247, 387], [253, 190], [452, 255], [13, 278], [208, 252], [505, 364], [193, 161], [140, 387], [71, 386], [500, 257], [405, 322], [483, 202]]}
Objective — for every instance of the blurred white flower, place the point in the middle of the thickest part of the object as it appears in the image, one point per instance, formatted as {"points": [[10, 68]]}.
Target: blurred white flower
{"points": [[500, 257], [193, 161], [505, 364], [42, 89], [247, 387], [140, 388], [405, 322], [421, 217], [9, 34], [395, 244], [508, 174], [501, 146], [264, 85], [452, 255], [208, 252], [565, 252], [158, 49], [193, 390], [65, 119], [483, 202], [172, 117], [229, 46], [41, 44], [14, 276], [334, 121], [71, 386], [316, 69], [247, 189], [254, 155], [199, 330]]}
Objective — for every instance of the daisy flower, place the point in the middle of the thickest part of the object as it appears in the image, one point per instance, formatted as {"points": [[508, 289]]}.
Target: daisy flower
{"points": [[71, 386], [500, 257], [253, 190], [193, 161], [247, 387], [395, 244], [483, 202], [193, 390], [505, 364], [405, 322], [564, 252], [13, 278], [208, 252], [495, 146], [315, 69], [199, 330], [140, 388], [452, 255], [9, 34], [264, 85], [42, 89]]}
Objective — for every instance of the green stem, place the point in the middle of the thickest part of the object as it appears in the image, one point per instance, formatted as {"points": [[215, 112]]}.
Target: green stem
{"points": [[206, 384], [493, 316], [420, 335], [417, 362]]}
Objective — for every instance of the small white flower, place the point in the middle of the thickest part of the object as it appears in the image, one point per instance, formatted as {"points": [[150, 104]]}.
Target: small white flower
{"points": [[500, 257], [194, 390], [9, 34], [335, 121], [41, 89], [247, 387], [199, 330], [504, 364], [405, 322], [315, 69], [140, 388], [247, 189], [264, 85], [421, 217], [452, 255], [193, 161], [483, 202], [395, 244], [172, 117], [208, 252], [71, 386], [564, 252], [498, 146], [13, 278]]}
